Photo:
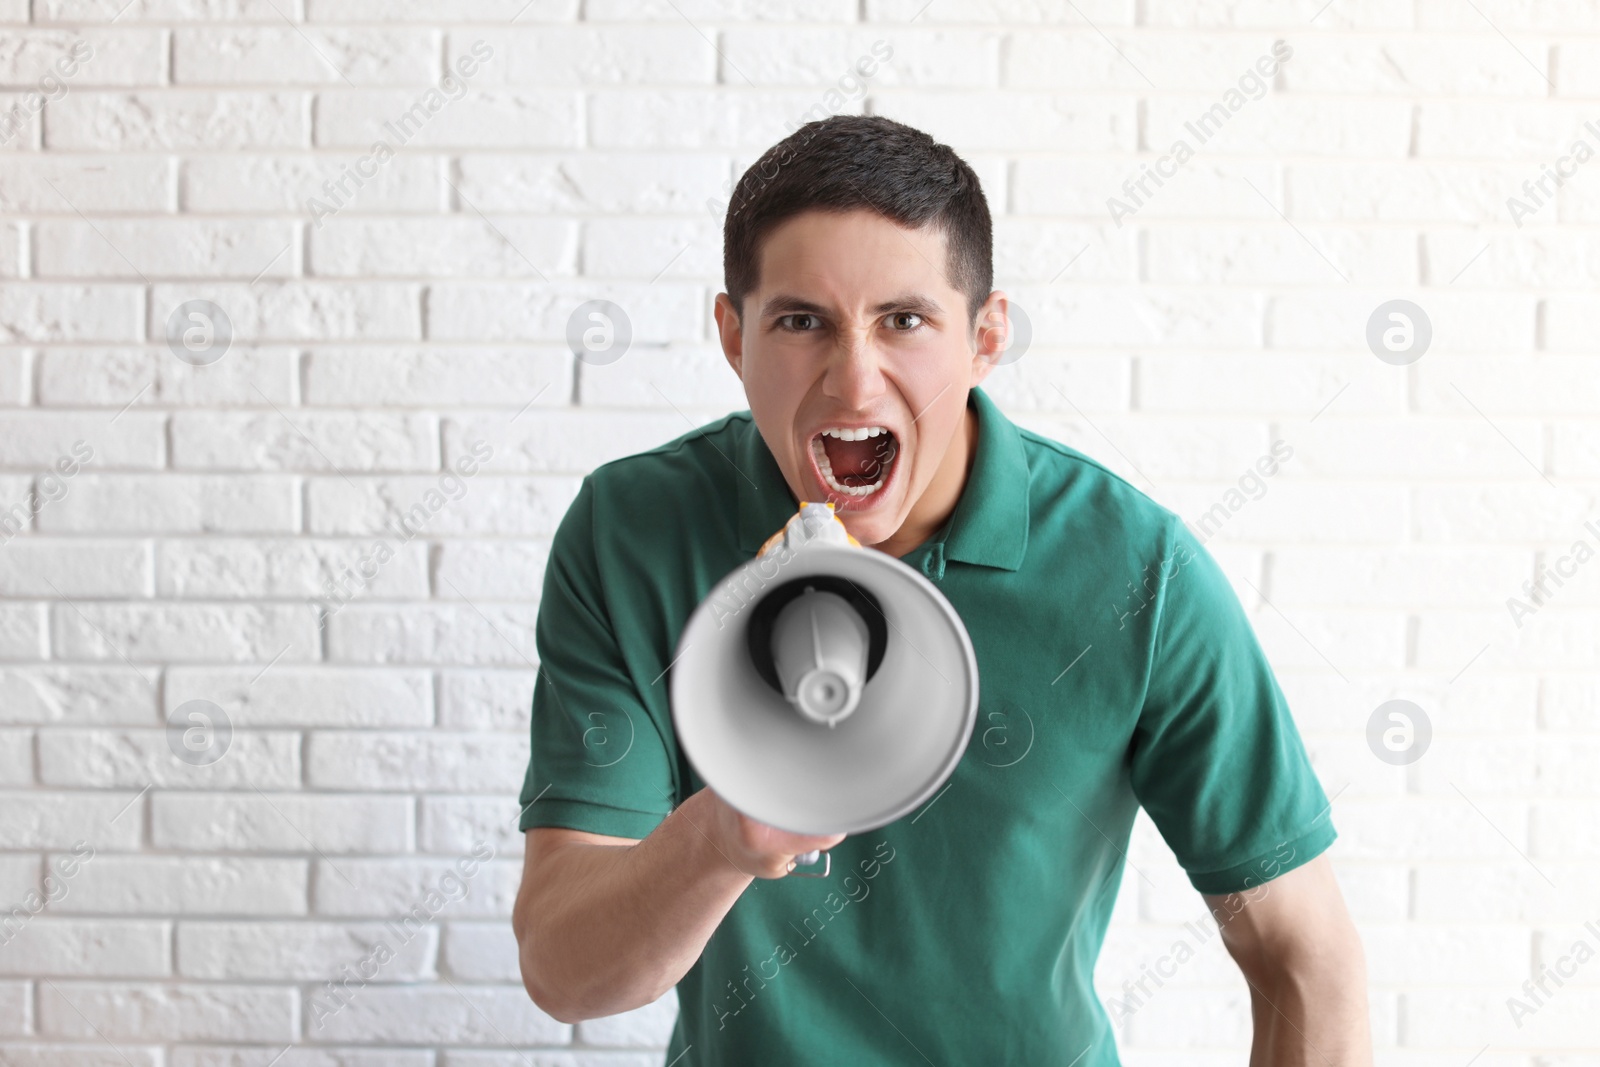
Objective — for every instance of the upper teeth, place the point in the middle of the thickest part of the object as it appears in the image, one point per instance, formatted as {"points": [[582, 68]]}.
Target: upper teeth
{"points": [[856, 435]]}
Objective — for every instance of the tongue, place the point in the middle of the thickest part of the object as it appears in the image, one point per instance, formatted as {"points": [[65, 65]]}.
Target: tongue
{"points": [[859, 462]]}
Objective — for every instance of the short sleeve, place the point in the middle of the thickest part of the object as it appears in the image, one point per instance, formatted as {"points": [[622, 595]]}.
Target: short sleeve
{"points": [[597, 762], [1216, 759]]}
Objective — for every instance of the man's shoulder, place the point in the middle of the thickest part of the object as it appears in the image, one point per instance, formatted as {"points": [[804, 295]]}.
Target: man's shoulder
{"points": [[709, 453], [1072, 490]]}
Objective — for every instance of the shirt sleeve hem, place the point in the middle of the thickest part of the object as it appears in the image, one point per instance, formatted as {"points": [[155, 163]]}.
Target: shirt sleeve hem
{"points": [[591, 818], [1268, 865]]}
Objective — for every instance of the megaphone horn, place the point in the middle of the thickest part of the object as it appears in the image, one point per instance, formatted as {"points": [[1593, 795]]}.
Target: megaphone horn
{"points": [[839, 699]]}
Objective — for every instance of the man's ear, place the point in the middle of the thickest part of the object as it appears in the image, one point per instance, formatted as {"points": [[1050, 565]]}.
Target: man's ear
{"points": [[991, 336], [730, 332]]}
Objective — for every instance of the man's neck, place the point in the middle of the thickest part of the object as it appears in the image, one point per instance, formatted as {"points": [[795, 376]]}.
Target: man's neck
{"points": [[933, 509]]}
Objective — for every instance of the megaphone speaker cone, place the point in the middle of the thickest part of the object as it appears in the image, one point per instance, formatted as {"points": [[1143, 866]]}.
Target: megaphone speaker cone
{"points": [[839, 706]]}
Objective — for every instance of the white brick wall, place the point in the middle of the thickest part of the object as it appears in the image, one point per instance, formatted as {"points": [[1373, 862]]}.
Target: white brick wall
{"points": [[381, 329]]}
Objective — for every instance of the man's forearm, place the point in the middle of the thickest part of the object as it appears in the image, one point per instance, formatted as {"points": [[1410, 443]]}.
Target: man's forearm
{"points": [[604, 929], [1312, 1015]]}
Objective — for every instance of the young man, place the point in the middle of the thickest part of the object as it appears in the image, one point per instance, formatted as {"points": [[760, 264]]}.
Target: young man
{"points": [[1114, 658]]}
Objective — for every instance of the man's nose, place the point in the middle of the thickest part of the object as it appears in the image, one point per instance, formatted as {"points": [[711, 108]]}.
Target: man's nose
{"points": [[855, 373]]}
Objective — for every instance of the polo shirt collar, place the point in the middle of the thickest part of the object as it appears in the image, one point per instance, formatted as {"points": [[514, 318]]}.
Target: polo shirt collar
{"points": [[989, 526]]}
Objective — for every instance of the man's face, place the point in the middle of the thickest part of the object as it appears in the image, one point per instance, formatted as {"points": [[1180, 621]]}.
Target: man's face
{"points": [[855, 331]]}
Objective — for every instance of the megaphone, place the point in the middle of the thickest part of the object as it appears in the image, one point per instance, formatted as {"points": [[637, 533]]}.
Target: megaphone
{"points": [[822, 687]]}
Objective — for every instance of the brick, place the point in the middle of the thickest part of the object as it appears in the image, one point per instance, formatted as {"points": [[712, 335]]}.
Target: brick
{"points": [[444, 248], [140, 1012], [1460, 322], [175, 503], [1279, 124], [429, 377], [46, 440], [1170, 449], [11, 252], [1545, 385], [19, 876], [133, 759], [385, 889], [650, 248], [303, 1056], [850, 62], [475, 118], [453, 825], [39, 819], [176, 120], [299, 310], [14, 376], [447, 634], [475, 570], [304, 440], [208, 632], [158, 11], [480, 952], [1396, 577], [487, 311], [78, 694], [677, 373], [473, 1015], [485, 700], [114, 378], [16, 1008], [567, 442], [35, 1054], [525, 506], [586, 56], [1436, 65], [592, 181], [1569, 323], [240, 569], [311, 56], [189, 886], [24, 630], [289, 695], [41, 311], [437, 10], [1278, 254], [46, 567], [1536, 131], [210, 248], [1265, 14], [300, 951], [103, 57], [88, 948], [421, 760], [281, 822], [16, 757], [1419, 191], [732, 10], [1502, 512], [50, 185], [272, 183]]}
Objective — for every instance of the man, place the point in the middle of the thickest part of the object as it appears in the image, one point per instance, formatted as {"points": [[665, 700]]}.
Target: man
{"points": [[1115, 662]]}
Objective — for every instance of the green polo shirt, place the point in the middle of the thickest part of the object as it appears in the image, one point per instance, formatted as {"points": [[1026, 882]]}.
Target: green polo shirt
{"points": [[1117, 669]]}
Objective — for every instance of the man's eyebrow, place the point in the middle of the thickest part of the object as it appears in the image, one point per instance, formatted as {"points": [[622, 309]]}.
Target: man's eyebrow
{"points": [[789, 304]]}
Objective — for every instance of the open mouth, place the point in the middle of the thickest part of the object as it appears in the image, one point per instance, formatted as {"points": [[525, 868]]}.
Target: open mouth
{"points": [[855, 463]]}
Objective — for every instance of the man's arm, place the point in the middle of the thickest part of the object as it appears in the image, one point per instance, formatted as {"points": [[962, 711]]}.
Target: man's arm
{"points": [[606, 924], [1299, 950]]}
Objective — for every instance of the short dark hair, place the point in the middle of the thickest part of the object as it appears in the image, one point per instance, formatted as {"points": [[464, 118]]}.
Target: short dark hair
{"points": [[847, 162]]}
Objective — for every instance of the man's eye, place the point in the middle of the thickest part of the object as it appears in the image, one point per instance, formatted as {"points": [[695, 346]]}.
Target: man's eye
{"points": [[904, 321], [800, 322]]}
